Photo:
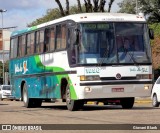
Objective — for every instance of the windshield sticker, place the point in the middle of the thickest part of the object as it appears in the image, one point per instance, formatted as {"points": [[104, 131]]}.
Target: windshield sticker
{"points": [[92, 70], [138, 69]]}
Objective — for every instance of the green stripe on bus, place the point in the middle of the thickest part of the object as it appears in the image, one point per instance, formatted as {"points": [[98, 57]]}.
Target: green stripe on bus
{"points": [[56, 69]]}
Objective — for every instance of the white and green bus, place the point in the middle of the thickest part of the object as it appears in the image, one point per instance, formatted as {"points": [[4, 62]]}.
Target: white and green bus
{"points": [[82, 57]]}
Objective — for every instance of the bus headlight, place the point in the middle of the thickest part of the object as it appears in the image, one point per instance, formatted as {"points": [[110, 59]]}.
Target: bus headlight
{"points": [[144, 76], [89, 78], [146, 87]]}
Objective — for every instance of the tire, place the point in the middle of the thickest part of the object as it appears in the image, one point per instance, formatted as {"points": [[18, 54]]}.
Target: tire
{"points": [[26, 100], [47, 100], [29, 102], [127, 103], [155, 102], [72, 105], [96, 102], [36, 103]]}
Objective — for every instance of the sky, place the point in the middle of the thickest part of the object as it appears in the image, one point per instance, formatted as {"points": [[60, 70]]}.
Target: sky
{"points": [[22, 12]]}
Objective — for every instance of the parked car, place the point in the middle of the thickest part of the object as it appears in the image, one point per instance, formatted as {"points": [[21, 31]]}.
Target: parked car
{"points": [[5, 91], [155, 96]]}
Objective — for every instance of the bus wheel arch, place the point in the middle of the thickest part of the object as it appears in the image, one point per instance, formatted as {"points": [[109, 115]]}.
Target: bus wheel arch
{"points": [[64, 84], [72, 105], [22, 84]]}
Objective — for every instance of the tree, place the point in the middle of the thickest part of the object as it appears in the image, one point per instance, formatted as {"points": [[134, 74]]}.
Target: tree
{"points": [[127, 6], [150, 8], [88, 6], [110, 5], [51, 14]]}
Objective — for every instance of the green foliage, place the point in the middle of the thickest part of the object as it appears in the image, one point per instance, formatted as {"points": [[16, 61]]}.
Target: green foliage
{"points": [[156, 28], [88, 6], [127, 6], [151, 8]]}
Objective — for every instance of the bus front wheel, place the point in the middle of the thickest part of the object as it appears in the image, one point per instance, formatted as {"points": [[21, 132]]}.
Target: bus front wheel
{"points": [[155, 102], [127, 103], [72, 105]]}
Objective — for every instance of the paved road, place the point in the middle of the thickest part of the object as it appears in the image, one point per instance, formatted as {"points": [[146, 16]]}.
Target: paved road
{"points": [[13, 112]]}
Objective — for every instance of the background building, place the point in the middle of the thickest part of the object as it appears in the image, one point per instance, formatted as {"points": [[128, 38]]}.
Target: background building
{"points": [[4, 44]]}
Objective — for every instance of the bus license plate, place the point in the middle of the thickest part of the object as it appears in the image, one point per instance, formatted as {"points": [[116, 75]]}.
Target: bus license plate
{"points": [[117, 89]]}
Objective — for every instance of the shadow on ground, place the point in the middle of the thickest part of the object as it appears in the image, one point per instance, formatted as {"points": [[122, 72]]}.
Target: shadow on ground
{"points": [[98, 107]]}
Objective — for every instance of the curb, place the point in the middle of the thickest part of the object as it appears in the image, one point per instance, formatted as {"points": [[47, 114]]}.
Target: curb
{"points": [[143, 101]]}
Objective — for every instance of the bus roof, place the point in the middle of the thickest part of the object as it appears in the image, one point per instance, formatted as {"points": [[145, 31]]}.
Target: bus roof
{"points": [[86, 17]]}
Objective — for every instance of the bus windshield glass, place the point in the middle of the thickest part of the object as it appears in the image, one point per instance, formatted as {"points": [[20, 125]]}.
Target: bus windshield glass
{"points": [[112, 43]]}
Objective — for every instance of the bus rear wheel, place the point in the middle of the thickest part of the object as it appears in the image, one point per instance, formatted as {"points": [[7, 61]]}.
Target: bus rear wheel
{"points": [[29, 102], [127, 103], [72, 105]]}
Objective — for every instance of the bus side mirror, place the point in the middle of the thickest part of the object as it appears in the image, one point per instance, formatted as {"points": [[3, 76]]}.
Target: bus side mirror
{"points": [[151, 34]]}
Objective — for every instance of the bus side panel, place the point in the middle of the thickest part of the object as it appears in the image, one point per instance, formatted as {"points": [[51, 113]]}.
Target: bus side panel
{"points": [[40, 87], [43, 80]]}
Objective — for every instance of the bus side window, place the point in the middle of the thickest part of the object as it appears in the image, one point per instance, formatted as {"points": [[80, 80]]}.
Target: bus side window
{"points": [[63, 45], [14, 45], [32, 43], [37, 49], [47, 40], [41, 40], [52, 39], [60, 37], [28, 43], [23, 48], [20, 46]]}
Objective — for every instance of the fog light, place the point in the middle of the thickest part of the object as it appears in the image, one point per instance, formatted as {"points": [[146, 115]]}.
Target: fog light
{"points": [[146, 87], [87, 89]]}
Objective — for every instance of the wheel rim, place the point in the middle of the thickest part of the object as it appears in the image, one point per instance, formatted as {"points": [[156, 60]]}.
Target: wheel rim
{"points": [[68, 97]]}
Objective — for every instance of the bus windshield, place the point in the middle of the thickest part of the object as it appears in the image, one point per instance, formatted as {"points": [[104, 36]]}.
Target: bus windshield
{"points": [[112, 43]]}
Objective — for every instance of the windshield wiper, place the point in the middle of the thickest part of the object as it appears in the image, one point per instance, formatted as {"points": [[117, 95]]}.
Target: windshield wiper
{"points": [[131, 56], [106, 54]]}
